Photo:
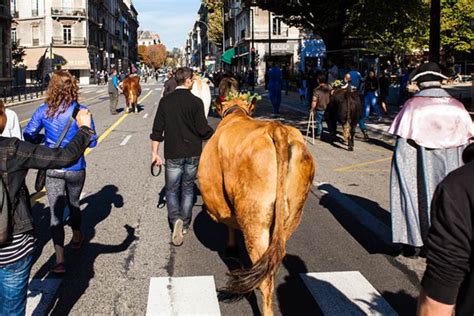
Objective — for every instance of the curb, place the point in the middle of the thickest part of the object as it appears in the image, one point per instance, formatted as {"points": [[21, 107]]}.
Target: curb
{"points": [[8, 105]]}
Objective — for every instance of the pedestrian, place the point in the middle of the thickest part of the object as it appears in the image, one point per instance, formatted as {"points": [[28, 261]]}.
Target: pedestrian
{"points": [[114, 90], [348, 85], [180, 116], [106, 77], [251, 80], [97, 77], [356, 77], [384, 88], [321, 98], [12, 127], [170, 84], [448, 282], [16, 255], [274, 87], [285, 73], [333, 72], [102, 77], [371, 86], [63, 186], [432, 130]]}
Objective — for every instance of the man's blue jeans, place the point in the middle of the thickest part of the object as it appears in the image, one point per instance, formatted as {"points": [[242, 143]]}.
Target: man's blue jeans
{"points": [[14, 286], [319, 122], [275, 97], [370, 100], [180, 175]]}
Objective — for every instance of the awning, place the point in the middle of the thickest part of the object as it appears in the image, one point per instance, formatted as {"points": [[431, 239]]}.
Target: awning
{"points": [[33, 57], [71, 58], [228, 55]]}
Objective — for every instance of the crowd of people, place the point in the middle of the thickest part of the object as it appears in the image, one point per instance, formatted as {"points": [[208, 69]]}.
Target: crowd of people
{"points": [[430, 188]]}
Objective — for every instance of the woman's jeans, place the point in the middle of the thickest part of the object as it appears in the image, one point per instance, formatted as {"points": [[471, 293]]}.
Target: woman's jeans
{"points": [[14, 286], [180, 175], [370, 100]]}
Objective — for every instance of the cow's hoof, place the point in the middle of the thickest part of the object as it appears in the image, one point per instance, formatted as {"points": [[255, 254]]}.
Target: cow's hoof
{"points": [[351, 148]]}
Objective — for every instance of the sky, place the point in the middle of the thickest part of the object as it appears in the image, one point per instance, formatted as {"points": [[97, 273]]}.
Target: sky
{"points": [[171, 19]]}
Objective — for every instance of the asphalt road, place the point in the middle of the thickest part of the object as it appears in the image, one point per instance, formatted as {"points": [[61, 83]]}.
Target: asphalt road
{"points": [[127, 236]]}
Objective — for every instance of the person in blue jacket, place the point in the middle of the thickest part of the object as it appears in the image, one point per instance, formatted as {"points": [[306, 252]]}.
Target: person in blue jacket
{"points": [[275, 83], [62, 185]]}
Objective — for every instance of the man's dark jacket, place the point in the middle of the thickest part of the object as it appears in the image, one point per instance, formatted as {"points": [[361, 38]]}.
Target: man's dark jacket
{"points": [[16, 157], [449, 276], [180, 122]]}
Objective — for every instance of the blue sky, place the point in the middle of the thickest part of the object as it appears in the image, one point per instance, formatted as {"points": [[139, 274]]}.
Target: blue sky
{"points": [[172, 19]]}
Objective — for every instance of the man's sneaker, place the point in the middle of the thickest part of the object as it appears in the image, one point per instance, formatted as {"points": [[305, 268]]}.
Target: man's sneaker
{"points": [[177, 236]]}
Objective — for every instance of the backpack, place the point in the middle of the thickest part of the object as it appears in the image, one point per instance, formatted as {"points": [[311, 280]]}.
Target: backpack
{"points": [[5, 216]]}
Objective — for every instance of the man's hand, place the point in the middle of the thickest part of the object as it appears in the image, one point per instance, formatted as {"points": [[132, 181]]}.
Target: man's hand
{"points": [[84, 118], [156, 159]]}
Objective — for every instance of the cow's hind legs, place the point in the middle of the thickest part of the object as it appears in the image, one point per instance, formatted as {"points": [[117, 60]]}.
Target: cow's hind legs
{"points": [[351, 138], [231, 250], [267, 293], [135, 107]]}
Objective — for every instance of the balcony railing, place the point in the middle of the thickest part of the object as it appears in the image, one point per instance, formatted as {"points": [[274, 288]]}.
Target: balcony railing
{"points": [[34, 12], [36, 41], [68, 12], [15, 14], [75, 41]]}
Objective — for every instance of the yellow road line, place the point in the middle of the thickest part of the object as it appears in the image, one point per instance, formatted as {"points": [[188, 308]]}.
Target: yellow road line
{"points": [[39, 195], [362, 164], [114, 126]]}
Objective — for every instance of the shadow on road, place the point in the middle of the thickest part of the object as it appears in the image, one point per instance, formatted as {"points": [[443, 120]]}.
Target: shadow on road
{"points": [[80, 264]]}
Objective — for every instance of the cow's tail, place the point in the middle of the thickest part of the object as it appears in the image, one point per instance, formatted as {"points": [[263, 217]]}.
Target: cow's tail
{"points": [[244, 281]]}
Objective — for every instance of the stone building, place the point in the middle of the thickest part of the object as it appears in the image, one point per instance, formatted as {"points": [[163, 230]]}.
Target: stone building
{"points": [[5, 42], [82, 36], [251, 27], [148, 38]]}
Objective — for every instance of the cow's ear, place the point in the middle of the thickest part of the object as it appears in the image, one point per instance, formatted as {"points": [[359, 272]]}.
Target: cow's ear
{"points": [[219, 107], [253, 106]]}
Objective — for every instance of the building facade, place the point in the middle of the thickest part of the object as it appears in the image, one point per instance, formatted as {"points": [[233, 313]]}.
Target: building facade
{"points": [[148, 38], [5, 42], [82, 36]]}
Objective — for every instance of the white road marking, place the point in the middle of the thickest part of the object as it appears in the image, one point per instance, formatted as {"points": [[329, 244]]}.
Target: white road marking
{"points": [[346, 293], [146, 89], [99, 91], [145, 116], [125, 141], [183, 296], [41, 294], [157, 89]]}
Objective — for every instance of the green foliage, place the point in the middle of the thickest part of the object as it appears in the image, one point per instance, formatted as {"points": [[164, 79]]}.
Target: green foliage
{"points": [[456, 31], [18, 52], [215, 20]]}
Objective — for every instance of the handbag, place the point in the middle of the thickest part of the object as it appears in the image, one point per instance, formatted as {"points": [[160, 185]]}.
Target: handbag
{"points": [[41, 175]]}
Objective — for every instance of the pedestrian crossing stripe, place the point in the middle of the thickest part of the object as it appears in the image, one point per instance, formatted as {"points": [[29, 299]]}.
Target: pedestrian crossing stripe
{"points": [[346, 293], [183, 296], [146, 89], [336, 293]]}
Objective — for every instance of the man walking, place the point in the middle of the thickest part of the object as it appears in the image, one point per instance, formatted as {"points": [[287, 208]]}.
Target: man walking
{"points": [[180, 117], [274, 87], [113, 88], [170, 84]]}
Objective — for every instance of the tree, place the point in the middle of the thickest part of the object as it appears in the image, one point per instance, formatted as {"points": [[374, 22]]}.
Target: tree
{"points": [[215, 21], [456, 31], [143, 54], [157, 55], [18, 52]]}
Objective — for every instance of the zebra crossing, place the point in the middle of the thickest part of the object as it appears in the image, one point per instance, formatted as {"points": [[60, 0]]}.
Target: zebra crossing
{"points": [[336, 293]]}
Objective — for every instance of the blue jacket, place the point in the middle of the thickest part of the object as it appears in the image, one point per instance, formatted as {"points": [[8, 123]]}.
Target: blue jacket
{"points": [[53, 128]]}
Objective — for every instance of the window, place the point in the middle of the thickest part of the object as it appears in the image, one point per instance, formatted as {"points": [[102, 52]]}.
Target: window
{"points": [[67, 4], [67, 34], [276, 26], [35, 35], [14, 39], [34, 7]]}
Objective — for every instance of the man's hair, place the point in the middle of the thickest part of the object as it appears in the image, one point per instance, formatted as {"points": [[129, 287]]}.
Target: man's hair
{"points": [[321, 78], [3, 117], [182, 74]]}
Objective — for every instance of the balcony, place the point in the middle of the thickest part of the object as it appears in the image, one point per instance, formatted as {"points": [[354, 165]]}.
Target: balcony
{"points": [[75, 41], [36, 41], [34, 12], [15, 14], [60, 12]]}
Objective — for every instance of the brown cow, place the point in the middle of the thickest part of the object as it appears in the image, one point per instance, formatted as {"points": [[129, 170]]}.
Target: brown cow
{"points": [[131, 91], [254, 175]]}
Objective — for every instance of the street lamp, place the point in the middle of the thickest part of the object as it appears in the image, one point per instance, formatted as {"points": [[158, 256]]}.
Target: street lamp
{"points": [[207, 34]]}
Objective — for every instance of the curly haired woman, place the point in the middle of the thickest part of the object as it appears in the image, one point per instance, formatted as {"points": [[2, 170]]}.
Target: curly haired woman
{"points": [[62, 185]]}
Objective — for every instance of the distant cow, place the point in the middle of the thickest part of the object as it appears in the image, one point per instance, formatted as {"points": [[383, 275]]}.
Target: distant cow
{"points": [[202, 90], [131, 91], [255, 175], [346, 108]]}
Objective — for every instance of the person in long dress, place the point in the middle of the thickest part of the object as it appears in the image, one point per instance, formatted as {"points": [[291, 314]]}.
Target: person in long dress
{"points": [[432, 131]]}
